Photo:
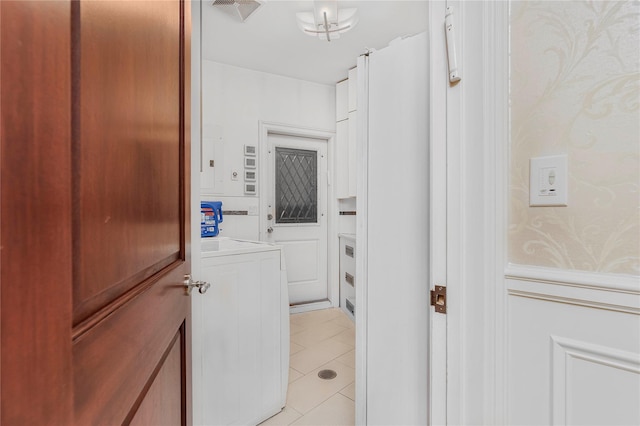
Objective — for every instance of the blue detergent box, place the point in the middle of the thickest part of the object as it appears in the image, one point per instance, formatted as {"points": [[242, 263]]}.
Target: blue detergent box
{"points": [[210, 218]]}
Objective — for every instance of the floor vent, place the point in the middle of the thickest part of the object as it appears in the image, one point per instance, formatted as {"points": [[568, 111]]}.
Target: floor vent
{"points": [[327, 374]]}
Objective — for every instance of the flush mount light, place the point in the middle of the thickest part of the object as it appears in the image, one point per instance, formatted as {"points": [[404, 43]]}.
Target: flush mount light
{"points": [[327, 22]]}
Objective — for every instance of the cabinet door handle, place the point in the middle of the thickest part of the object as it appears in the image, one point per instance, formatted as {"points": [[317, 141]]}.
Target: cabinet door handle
{"points": [[348, 250], [349, 278]]}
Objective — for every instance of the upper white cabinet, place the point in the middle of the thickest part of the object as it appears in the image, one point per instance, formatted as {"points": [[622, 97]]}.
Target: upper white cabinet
{"points": [[346, 94], [342, 159], [353, 89], [342, 102], [352, 153]]}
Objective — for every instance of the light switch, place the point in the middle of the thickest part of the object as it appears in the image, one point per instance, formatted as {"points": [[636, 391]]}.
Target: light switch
{"points": [[548, 181]]}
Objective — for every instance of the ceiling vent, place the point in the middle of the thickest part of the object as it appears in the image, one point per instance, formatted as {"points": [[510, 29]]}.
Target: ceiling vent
{"points": [[240, 9]]}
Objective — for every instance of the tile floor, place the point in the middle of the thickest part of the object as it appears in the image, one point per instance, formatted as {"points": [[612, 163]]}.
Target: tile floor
{"points": [[320, 340]]}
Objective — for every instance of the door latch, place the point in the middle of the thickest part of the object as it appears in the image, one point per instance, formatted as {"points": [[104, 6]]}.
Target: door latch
{"points": [[439, 299]]}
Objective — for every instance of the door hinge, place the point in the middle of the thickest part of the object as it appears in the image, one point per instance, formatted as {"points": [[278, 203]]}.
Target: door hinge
{"points": [[439, 299]]}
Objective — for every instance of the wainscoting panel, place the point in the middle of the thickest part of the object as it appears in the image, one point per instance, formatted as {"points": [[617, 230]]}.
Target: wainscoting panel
{"points": [[573, 349], [593, 384]]}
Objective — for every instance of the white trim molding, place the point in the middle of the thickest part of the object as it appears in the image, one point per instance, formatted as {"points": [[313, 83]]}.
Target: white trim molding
{"points": [[496, 175], [362, 233], [477, 216], [438, 193], [584, 279], [313, 306], [588, 289]]}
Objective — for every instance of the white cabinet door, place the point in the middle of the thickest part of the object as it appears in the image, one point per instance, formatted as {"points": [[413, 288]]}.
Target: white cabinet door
{"points": [[342, 159], [353, 89], [342, 100], [352, 164], [346, 165]]}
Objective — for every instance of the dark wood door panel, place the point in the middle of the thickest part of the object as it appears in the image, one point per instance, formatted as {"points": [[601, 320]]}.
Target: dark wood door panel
{"points": [[127, 149], [114, 360], [35, 227], [131, 219], [161, 406]]}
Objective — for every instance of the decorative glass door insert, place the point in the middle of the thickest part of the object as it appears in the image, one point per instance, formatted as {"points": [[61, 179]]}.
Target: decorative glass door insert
{"points": [[296, 186]]}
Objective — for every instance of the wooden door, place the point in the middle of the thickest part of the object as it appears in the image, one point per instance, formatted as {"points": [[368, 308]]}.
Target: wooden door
{"points": [[95, 212]]}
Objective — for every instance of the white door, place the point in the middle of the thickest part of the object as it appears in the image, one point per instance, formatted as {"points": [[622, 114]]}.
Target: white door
{"points": [[297, 212], [393, 235]]}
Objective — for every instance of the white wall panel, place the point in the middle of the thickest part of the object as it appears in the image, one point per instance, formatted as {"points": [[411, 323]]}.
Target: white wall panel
{"points": [[593, 384], [573, 353]]}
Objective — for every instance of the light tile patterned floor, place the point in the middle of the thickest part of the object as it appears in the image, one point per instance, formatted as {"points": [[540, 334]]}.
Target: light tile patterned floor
{"points": [[320, 340]]}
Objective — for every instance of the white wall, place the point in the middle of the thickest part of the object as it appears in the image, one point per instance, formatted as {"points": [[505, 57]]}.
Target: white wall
{"points": [[234, 101]]}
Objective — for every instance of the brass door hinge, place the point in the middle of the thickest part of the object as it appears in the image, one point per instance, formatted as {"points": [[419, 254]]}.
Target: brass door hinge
{"points": [[439, 299]]}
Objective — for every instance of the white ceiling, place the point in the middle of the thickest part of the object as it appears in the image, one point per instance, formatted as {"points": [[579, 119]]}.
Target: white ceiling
{"points": [[270, 41]]}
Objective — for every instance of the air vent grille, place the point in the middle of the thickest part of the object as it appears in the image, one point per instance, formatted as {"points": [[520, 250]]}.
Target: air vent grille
{"points": [[240, 9]]}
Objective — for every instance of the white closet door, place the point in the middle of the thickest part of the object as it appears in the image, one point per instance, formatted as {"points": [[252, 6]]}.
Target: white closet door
{"points": [[396, 262]]}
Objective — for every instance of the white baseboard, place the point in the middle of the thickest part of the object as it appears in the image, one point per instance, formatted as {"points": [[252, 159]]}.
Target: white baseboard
{"points": [[313, 306]]}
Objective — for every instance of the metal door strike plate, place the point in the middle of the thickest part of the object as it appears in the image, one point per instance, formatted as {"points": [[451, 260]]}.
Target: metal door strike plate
{"points": [[439, 299]]}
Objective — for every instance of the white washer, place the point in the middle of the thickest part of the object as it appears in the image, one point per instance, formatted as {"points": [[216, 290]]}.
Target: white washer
{"points": [[244, 331]]}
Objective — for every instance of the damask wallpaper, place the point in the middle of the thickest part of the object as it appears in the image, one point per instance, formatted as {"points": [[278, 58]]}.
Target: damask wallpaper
{"points": [[575, 90]]}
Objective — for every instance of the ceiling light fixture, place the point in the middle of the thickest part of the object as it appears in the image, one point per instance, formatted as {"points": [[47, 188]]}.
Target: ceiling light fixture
{"points": [[327, 22]]}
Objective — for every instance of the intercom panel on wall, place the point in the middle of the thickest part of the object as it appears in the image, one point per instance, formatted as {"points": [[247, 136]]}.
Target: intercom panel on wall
{"points": [[250, 166]]}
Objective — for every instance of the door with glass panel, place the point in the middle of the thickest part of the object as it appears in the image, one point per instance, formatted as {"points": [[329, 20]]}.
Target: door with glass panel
{"points": [[297, 212]]}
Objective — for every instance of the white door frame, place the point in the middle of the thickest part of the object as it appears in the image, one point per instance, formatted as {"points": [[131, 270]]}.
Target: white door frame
{"points": [[195, 254], [496, 141], [440, 191], [267, 128], [477, 191]]}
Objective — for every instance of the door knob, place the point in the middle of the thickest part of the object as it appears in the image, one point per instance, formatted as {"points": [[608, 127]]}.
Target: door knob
{"points": [[189, 284], [269, 216], [269, 229]]}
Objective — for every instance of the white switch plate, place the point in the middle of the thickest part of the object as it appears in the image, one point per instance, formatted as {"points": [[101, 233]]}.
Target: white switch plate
{"points": [[548, 181]]}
